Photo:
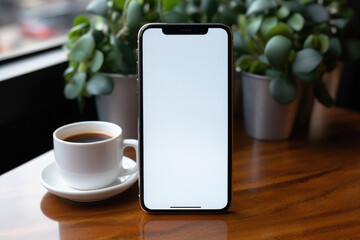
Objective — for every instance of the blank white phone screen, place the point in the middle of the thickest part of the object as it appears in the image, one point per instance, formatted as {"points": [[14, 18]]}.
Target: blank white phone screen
{"points": [[185, 119]]}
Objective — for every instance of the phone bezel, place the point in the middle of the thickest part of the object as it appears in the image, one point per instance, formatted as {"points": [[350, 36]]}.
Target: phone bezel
{"points": [[184, 28]]}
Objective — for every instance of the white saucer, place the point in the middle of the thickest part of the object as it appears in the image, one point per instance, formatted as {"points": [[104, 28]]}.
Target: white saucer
{"points": [[52, 181]]}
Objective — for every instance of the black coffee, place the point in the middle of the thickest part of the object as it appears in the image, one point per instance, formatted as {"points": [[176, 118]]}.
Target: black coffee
{"points": [[87, 138]]}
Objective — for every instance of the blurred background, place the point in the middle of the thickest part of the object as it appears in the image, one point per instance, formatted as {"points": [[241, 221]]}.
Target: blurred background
{"points": [[30, 25]]}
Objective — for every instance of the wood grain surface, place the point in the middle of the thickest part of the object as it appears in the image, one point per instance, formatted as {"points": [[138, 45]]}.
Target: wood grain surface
{"points": [[306, 187]]}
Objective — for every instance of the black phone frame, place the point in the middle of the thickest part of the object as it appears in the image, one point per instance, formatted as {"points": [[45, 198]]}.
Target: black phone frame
{"points": [[184, 28]]}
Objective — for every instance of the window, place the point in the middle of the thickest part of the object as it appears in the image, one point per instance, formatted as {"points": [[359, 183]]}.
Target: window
{"points": [[28, 26]]}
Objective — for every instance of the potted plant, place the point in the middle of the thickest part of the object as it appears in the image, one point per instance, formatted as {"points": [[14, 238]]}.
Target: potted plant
{"points": [[102, 49], [285, 45], [102, 57]]}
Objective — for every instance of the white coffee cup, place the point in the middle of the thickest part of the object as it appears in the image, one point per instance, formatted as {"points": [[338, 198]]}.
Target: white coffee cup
{"points": [[91, 165]]}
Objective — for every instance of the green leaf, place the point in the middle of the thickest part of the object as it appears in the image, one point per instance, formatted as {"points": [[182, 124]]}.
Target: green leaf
{"points": [[74, 88], [98, 7], [240, 46], [307, 77], [305, 61], [335, 48], [317, 13], [134, 15], [294, 6], [100, 84], [244, 63], [83, 48], [273, 73], [78, 30], [311, 42], [260, 6], [254, 26], [280, 29], [97, 61], [80, 20], [319, 42], [68, 73], [324, 43], [268, 24], [283, 12], [263, 59], [340, 23], [296, 22], [277, 51], [168, 5], [322, 94], [174, 17], [255, 67], [114, 60], [282, 89], [209, 7], [119, 4]]}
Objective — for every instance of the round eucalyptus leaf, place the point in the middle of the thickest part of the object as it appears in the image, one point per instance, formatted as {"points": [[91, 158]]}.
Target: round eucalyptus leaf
{"points": [[174, 17], [263, 59], [74, 88], [209, 7], [98, 7], [80, 20], [268, 24], [134, 15], [83, 48], [308, 77], [340, 23], [282, 89], [254, 26], [305, 61], [324, 43], [98, 23], [68, 73], [283, 12], [296, 22], [97, 61], [294, 6], [317, 13], [274, 73], [100, 84], [335, 48], [260, 6], [308, 43], [280, 29], [191, 9], [277, 51], [78, 30]]}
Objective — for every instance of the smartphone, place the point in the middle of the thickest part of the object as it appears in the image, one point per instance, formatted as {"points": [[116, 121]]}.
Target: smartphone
{"points": [[185, 117]]}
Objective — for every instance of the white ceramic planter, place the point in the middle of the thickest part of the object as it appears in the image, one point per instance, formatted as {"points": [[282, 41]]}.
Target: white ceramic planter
{"points": [[120, 106], [264, 118]]}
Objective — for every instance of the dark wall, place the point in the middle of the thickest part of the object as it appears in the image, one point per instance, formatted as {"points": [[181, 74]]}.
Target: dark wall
{"points": [[31, 108], [349, 87]]}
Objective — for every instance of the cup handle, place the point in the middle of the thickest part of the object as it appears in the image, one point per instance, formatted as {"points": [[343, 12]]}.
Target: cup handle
{"points": [[134, 144]]}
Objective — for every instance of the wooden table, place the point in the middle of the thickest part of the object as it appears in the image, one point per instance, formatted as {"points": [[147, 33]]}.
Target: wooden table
{"points": [[307, 187]]}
